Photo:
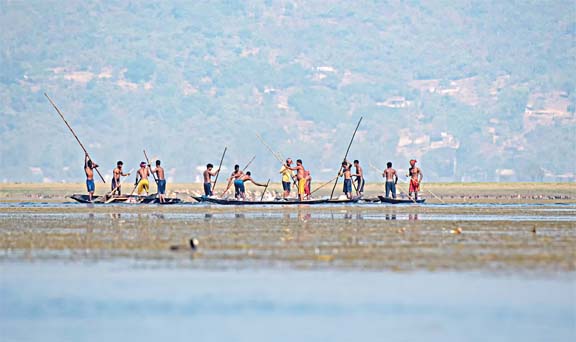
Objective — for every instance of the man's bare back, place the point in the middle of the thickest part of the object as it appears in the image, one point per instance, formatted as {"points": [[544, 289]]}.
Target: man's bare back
{"points": [[89, 167], [89, 173], [159, 170], [389, 173], [143, 172]]}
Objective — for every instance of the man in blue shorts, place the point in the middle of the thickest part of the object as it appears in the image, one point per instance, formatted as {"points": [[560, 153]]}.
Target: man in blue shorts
{"points": [[159, 171], [347, 189], [89, 167], [207, 174], [287, 175]]}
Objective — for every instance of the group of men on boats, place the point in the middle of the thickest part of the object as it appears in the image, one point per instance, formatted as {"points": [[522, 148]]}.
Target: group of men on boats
{"points": [[302, 179], [141, 183], [296, 175]]}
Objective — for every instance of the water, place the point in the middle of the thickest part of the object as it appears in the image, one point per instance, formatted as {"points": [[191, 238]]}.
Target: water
{"points": [[76, 272], [118, 301]]}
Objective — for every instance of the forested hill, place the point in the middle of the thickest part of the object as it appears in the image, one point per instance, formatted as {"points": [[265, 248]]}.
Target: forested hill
{"points": [[475, 90]]}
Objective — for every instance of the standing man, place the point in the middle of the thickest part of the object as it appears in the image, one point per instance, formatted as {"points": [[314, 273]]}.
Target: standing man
{"points": [[391, 180], [89, 167], [301, 176], [287, 175], [207, 174], [416, 176], [159, 171], [347, 188], [359, 178], [308, 185], [246, 178], [142, 179], [238, 183], [116, 174]]}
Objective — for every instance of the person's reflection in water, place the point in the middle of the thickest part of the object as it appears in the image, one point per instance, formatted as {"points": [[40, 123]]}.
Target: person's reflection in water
{"points": [[390, 216], [304, 216], [412, 217]]}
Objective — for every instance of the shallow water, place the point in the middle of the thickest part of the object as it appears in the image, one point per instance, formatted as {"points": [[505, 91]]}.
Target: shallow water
{"points": [[124, 300], [339, 272]]}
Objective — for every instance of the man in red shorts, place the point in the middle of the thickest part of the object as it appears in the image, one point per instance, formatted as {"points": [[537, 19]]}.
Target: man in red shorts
{"points": [[415, 175]]}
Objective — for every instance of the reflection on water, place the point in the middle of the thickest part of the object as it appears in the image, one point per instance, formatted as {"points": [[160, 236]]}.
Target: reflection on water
{"points": [[115, 216]]}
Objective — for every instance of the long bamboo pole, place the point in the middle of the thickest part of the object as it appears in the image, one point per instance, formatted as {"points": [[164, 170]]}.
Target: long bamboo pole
{"points": [[219, 169], [345, 156], [323, 185], [74, 134], [248, 164], [276, 155], [264, 192], [150, 168]]}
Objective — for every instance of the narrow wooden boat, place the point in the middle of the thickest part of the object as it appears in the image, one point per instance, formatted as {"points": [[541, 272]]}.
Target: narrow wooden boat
{"points": [[223, 201], [151, 199], [399, 201]]}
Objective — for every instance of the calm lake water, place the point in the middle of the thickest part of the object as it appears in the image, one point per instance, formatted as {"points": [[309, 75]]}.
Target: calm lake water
{"points": [[71, 272], [127, 300]]}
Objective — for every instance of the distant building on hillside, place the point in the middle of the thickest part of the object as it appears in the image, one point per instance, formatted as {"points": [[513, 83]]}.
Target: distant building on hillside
{"points": [[395, 102], [547, 109]]}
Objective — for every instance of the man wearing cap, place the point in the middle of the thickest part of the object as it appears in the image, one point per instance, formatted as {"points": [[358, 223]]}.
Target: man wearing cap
{"points": [[287, 175], [142, 179], [415, 175]]}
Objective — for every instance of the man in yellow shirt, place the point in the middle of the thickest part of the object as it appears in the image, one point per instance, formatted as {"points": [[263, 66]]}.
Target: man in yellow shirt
{"points": [[287, 175]]}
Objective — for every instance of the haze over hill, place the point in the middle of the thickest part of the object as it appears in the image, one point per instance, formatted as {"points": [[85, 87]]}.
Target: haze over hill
{"points": [[475, 90]]}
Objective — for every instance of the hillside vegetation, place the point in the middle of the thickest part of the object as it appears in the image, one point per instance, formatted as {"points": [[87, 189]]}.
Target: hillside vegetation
{"points": [[475, 90]]}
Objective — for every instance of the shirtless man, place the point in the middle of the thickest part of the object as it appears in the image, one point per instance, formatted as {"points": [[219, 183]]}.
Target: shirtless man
{"points": [[308, 185], [301, 177], [359, 178], [287, 175], [247, 178], [238, 183], [345, 171], [207, 174], [159, 171], [391, 180], [116, 174], [142, 179], [415, 175], [89, 167]]}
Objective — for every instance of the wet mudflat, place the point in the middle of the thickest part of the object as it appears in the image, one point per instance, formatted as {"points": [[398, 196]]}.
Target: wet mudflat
{"points": [[508, 238], [434, 272]]}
